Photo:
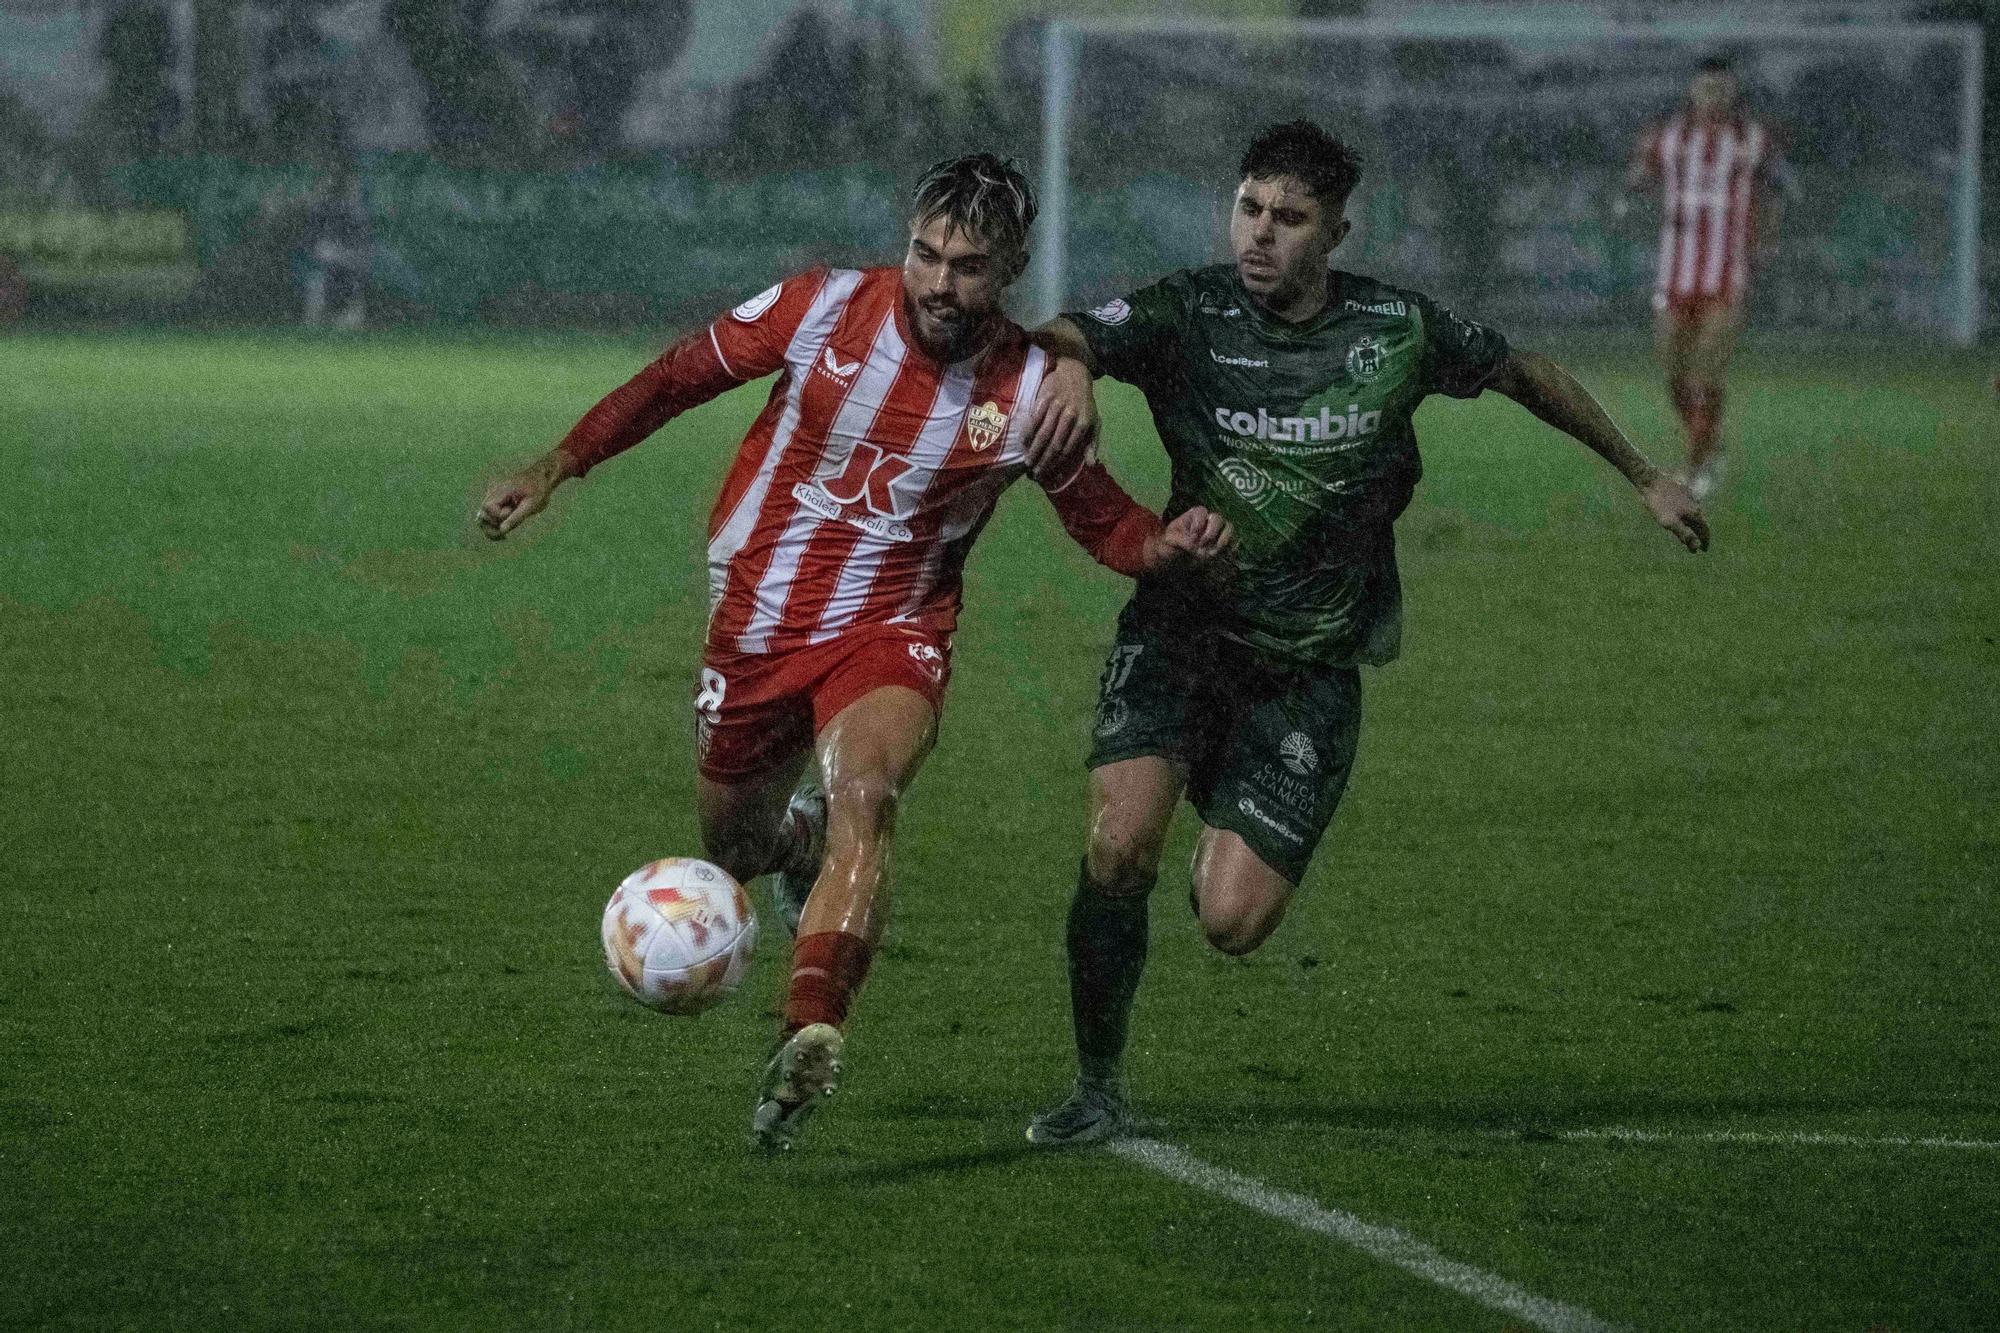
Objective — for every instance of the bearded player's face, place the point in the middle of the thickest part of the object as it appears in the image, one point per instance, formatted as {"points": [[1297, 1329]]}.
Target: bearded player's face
{"points": [[952, 285], [1281, 236]]}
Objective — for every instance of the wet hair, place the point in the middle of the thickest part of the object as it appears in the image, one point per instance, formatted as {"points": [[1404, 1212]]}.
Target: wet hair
{"points": [[1717, 64], [980, 194], [1328, 168]]}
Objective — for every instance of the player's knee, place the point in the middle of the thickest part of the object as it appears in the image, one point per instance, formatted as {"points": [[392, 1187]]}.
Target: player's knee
{"points": [[1236, 932], [1236, 923], [1123, 862], [866, 801]]}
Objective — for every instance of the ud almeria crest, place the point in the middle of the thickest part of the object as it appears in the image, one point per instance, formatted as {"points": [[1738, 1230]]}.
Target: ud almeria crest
{"points": [[983, 425]]}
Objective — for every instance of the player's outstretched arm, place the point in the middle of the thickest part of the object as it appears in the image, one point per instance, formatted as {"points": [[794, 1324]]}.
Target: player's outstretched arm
{"points": [[1062, 423], [687, 374], [518, 497], [1124, 536], [1553, 394]]}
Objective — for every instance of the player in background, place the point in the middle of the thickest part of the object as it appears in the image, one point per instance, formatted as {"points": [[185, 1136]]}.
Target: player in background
{"points": [[1719, 171], [1283, 393], [900, 412]]}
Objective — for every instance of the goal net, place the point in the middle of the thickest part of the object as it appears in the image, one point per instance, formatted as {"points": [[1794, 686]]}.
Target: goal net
{"points": [[1494, 155]]}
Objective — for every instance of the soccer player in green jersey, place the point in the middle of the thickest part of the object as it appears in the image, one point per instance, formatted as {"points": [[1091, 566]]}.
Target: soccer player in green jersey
{"points": [[1283, 391]]}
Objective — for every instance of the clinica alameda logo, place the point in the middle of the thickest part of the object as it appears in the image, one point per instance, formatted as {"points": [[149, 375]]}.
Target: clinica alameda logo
{"points": [[1298, 753]]}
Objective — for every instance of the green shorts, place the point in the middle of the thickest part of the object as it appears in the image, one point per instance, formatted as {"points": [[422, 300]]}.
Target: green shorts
{"points": [[1267, 751]]}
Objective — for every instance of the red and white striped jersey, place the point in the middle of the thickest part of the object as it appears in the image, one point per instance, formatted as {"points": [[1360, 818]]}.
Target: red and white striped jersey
{"points": [[1709, 174], [859, 490]]}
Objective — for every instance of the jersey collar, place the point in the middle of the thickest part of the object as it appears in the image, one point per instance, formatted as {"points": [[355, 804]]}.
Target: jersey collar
{"points": [[1270, 325]]}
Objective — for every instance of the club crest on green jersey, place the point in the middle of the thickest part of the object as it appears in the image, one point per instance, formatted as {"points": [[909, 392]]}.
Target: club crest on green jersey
{"points": [[1365, 359]]}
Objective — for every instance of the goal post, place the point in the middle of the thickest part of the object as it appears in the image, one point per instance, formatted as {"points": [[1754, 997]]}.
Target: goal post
{"points": [[1494, 149]]}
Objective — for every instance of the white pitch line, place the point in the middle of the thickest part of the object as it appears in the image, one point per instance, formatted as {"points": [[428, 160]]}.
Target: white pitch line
{"points": [[1805, 1139], [1373, 1239]]}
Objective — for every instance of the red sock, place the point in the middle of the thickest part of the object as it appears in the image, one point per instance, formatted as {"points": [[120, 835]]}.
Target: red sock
{"points": [[827, 969]]}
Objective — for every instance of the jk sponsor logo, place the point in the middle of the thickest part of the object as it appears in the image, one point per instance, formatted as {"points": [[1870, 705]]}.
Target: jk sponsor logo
{"points": [[1353, 424], [1256, 812], [875, 525], [864, 493]]}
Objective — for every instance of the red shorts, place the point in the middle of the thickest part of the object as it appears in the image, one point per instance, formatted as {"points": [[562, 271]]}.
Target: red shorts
{"points": [[753, 711]]}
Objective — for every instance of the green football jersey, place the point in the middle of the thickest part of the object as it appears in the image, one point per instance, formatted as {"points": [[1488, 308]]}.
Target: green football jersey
{"points": [[1300, 435]]}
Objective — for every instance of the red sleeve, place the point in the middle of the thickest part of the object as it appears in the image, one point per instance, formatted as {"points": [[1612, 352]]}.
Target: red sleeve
{"points": [[1104, 520], [747, 343], [750, 340]]}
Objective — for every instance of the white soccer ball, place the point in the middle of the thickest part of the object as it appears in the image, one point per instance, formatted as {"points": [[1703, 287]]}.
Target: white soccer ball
{"points": [[678, 935]]}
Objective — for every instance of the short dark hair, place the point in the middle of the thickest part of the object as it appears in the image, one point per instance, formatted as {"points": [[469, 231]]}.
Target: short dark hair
{"points": [[1718, 63], [1328, 168], [980, 194]]}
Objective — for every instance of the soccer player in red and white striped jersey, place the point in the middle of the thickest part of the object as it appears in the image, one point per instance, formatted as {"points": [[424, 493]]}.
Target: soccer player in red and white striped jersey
{"points": [[905, 403], [1718, 170]]}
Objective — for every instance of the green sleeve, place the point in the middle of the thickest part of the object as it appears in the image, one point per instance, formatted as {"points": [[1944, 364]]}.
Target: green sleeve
{"points": [[1463, 356], [1132, 336]]}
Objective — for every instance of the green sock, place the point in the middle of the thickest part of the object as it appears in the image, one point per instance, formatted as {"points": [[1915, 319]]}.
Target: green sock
{"points": [[1107, 952]]}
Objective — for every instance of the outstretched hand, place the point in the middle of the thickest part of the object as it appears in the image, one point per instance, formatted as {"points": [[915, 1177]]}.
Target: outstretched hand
{"points": [[513, 500], [1677, 511]]}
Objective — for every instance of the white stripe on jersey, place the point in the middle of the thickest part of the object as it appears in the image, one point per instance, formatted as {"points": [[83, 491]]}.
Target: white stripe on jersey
{"points": [[933, 445], [716, 343], [1717, 205], [1014, 447], [967, 514], [1668, 148], [851, 423], [1690, 212], [813, 331]]}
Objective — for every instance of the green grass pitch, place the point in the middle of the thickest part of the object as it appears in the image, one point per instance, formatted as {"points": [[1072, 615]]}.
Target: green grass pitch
{"points": [[312, 799]]}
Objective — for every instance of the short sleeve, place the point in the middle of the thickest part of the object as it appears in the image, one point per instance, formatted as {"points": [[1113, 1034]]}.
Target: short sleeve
{"points": [[751, 339], [1464, 356], [1129, 335]]}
